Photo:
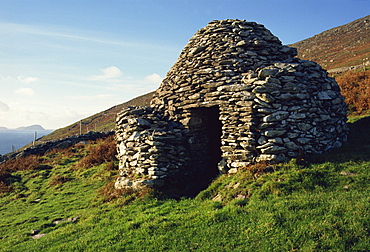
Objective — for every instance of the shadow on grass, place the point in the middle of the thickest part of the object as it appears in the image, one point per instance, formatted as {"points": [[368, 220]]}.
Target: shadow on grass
{"points": [[357, 148]]}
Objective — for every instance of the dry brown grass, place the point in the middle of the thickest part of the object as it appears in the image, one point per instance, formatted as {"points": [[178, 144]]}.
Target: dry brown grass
{"points": [[4, 188], [110, 166], [355, 87], [100, 151], [257, 169], [27, 163], [103, 152], [58, 180], [110, 193]]}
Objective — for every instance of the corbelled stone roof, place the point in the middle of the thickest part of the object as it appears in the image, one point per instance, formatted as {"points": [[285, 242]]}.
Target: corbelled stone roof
{"points": [[235, 96], [220, 54]]}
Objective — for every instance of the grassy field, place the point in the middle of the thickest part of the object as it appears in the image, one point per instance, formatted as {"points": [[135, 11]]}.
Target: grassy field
{"points": [[67, 196]]}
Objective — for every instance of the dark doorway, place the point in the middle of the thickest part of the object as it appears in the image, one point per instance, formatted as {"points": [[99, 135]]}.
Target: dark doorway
{"points": [[214, 136], [205, 147]]}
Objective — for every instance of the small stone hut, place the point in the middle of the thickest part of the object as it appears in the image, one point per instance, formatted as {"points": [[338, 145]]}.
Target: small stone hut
{"points": [[235, 96]]}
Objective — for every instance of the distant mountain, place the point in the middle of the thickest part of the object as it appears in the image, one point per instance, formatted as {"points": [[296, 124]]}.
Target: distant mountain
{"points": [[342, 46], [32, 127], [3, 128]]}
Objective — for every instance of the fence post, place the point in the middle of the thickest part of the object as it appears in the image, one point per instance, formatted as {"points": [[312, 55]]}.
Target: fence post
{"points": [[34, 138]]}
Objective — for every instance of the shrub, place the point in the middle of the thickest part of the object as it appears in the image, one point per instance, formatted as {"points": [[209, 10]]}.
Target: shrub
{"points": [[355, 88], [27, 163], [105, 151], [4, 188], [4, 173]]}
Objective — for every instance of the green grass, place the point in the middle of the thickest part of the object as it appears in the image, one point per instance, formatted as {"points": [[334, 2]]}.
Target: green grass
{"points": [[355, 118], [321, 206]]}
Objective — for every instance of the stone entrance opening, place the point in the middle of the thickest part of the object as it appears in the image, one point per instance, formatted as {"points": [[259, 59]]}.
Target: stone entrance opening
{"points": [[273, 107], [204, 145]]}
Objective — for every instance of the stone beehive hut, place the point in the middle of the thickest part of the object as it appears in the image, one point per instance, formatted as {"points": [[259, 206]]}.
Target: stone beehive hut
{"points": [[235, 96]]}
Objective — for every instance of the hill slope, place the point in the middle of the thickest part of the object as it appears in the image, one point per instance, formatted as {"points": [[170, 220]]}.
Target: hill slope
{"points": [[342, 46], [64, 201]]}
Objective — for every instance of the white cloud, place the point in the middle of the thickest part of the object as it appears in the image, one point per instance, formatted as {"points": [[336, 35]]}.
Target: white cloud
{"points": [[27, 80], [109, 73], [4, 107], [50, 117], [21, 78], [25, 91], [153, 79], [7, 78], [13, 29]]}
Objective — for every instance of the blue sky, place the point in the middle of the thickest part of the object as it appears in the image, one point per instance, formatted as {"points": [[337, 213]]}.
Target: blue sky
{"points": [[62, 60]]}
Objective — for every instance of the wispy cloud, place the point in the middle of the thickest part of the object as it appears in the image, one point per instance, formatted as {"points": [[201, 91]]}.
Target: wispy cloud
{"points": [[137, 87], [61, 32], [7, 78], [25, 92], [13, 28], [21, 78], [27, 80]]}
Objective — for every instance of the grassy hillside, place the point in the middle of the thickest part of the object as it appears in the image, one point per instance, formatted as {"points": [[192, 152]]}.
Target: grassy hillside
{"points": [[342, 46], [67, 198]]}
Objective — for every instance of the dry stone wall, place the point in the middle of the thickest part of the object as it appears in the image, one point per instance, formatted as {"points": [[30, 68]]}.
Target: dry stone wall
{"points": [[236, 96], [150, 147], [42, 148]]}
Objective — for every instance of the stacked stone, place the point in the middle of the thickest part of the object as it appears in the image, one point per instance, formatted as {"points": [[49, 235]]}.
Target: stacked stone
{"points": [[216, 55], [298, 110], [150, 148], [239, 126], [271, 105]]}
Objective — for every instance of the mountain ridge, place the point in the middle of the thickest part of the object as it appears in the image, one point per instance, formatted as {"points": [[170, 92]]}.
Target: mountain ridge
{"points": [[342, 46], [31, 127]]}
